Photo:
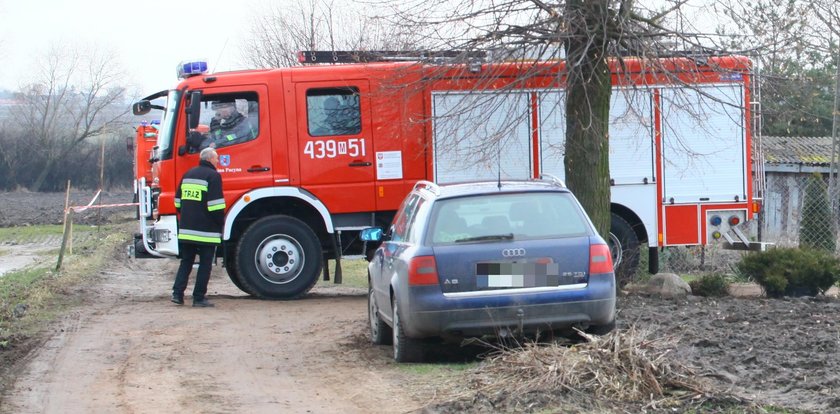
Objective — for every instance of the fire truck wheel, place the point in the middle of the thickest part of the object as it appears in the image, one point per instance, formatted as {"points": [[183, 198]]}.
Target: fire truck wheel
{"points": [[624, 246], [233, 273], [278, 257]]}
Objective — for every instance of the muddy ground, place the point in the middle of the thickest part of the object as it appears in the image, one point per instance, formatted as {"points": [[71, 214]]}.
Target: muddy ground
{"points": [[129, 350]]}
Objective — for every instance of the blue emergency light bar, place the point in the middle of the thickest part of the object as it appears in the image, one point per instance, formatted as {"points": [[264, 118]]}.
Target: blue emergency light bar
{"points": [[187, 69]]}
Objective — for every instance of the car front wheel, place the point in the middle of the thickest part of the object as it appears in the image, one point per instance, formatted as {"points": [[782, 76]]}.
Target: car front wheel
{"points": [[380, 333]]}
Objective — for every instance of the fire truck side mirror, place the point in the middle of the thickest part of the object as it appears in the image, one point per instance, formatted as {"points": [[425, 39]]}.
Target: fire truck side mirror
{"points": [[194, 110], [129, 144], [141, 107]]}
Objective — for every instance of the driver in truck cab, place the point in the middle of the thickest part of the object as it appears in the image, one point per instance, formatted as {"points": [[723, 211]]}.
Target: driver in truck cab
{"points": [[229, 126]]}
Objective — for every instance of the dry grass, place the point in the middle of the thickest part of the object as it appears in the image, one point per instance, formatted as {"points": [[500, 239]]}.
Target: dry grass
{"points": [[625, 366]]}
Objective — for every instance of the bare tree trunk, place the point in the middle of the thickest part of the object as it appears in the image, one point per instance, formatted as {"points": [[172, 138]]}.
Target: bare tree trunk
{"points": [[587, 162], [42, 176]]}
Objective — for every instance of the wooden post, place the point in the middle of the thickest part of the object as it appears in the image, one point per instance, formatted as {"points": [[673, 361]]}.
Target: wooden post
{"points": [[101, 184], [67, 227]]}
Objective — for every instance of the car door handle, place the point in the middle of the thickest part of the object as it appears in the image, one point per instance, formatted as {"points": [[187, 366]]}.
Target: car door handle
{"points": [[360, 164], [258, 169]]}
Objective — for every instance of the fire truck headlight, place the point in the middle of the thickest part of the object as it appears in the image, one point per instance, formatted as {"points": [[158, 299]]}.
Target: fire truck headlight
{"points": [[715, 221]]}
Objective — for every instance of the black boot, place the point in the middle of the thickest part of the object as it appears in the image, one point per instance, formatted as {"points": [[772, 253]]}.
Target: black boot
{"points": [[177, 299], [202, 303]]}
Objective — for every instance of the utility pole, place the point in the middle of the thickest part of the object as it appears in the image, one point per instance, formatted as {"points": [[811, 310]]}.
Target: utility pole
{"points": [[835, 141]]}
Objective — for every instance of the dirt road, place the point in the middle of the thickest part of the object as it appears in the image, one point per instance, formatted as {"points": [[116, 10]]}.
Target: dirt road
{"points": [[129, 350], [132, 351]]}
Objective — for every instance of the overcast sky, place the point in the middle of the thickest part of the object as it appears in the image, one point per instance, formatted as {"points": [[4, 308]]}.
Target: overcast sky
{"points": [[149, 37]]}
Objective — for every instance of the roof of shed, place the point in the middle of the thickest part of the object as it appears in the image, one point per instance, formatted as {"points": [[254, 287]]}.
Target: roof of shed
{"points": [[797, 150]]}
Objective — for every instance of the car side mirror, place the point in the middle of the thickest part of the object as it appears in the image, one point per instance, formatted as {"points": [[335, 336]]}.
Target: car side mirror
{"points": [[194, 109], [371, 234]]}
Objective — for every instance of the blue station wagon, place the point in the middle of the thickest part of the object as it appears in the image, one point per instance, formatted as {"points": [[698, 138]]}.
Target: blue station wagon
{"points": [[490, 258]]}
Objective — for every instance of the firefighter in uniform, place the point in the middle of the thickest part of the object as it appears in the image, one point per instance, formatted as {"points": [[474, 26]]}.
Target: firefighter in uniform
{"points": [[201, 203], [230, 126]]}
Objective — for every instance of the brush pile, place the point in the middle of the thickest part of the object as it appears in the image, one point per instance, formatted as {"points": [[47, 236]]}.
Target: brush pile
{"points": [[624, 366]]}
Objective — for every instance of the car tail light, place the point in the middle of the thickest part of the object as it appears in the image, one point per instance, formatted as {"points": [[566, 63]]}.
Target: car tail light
{"points": [[422, 270], [600, 260]]}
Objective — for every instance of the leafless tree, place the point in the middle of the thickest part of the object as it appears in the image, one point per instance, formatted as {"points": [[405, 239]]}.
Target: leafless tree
{"points": [[280, 31], [580, 37], [75, 95]]}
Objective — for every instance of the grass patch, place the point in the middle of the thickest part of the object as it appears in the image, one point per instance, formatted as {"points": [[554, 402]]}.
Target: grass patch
{"points": [[25, 233], [738, 407], [353, 273], [435, 369]]}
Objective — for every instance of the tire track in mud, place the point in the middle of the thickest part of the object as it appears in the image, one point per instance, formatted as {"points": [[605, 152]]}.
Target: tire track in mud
{"points": [[44, 361]]}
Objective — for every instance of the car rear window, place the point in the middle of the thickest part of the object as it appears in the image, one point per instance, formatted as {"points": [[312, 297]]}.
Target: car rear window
{"points": [[532, 215]]}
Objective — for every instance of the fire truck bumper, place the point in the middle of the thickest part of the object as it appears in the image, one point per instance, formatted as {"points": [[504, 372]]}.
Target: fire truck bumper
{"points": [[742, 242]]}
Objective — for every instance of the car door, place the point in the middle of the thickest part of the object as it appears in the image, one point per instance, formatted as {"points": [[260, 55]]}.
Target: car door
{"points": [[391, 253]]}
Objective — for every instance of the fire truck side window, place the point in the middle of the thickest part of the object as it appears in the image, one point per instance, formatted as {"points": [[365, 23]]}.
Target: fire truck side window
{"points": [[333, 111], [229, 119]]}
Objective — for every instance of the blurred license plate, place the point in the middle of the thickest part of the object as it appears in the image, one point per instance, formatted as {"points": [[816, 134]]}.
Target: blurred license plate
{"points": [[513, 275]]}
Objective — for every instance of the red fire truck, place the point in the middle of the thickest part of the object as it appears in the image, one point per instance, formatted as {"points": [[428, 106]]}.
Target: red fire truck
{"points": [[315, 153], [145, 140]]}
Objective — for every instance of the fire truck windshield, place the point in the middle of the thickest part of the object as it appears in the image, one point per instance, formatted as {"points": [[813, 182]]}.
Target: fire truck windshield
{"points": [[167, 126]]}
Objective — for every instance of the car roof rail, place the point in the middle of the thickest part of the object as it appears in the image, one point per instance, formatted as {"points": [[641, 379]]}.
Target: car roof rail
{"points": [[428, 185], [553, 179]]}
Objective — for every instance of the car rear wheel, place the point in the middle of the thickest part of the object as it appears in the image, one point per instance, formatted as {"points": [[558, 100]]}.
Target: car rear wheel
{"points": [[380, 333], [405, 349]]}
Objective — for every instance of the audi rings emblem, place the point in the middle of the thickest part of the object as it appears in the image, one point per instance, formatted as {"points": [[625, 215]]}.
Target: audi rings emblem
{"points": [[513, 252]]}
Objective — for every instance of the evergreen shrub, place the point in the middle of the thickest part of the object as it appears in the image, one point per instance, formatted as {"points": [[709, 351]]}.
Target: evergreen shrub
{"points": [[710, 285], [791, 271]]}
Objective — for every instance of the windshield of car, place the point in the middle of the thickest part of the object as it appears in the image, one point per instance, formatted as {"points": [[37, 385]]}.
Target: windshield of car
{"points": [[167, 125], [519, 216]]}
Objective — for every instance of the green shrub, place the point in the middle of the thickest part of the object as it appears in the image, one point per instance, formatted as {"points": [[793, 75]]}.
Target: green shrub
{"points": [[711, 284], [791, 271]]}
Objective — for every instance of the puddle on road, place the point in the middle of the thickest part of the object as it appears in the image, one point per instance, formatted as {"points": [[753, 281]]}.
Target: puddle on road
{"points": [[18, 257]]}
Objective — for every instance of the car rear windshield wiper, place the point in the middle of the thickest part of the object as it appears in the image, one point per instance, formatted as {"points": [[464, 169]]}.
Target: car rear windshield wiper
{"points": [[508, 236]]}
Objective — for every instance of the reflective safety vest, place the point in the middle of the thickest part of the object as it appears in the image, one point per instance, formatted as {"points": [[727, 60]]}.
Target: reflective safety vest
{"points": [[201, 203]]}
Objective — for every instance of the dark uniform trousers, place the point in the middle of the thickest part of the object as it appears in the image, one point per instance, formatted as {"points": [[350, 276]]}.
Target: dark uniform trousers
{"points": [[188, 251]]}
